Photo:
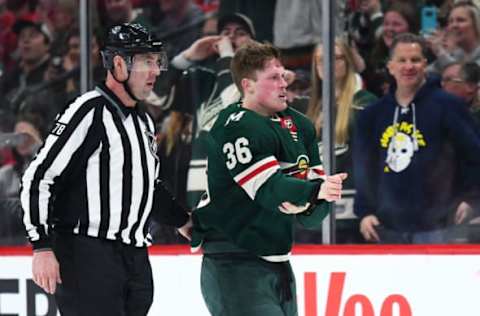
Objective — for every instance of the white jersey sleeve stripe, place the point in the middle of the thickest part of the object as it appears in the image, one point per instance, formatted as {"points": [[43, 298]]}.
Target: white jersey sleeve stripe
{"points": [[54, 163], [316, 172], [256, 175], [116, 183]]}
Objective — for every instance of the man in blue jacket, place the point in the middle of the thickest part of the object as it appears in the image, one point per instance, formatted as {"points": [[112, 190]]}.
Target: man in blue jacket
{"points": [[410, 150]]}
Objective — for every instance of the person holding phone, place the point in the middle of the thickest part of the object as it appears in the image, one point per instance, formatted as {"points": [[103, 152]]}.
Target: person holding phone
{"points": [[428, 20], [461, 39]]}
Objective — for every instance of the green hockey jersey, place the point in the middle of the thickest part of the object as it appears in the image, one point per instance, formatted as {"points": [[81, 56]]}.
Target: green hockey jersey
{"points": [[254, 164]]}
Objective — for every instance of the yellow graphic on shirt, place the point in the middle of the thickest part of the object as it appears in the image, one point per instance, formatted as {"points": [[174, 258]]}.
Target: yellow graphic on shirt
{"points": [[404, 127], [401, 141]]}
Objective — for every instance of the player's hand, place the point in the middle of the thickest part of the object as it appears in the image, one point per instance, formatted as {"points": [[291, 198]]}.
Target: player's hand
{"points": [[367, 228], [289, 208], [46, 271], [331, 188], [202, 48], [186, 229], [436, 42]]}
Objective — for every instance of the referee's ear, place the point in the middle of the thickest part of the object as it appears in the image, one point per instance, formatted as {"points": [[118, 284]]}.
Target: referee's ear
{"points": [[119, 69]]}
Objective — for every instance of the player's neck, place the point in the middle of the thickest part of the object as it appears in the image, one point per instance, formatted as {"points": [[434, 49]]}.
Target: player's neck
{"points": [[255, 107]]}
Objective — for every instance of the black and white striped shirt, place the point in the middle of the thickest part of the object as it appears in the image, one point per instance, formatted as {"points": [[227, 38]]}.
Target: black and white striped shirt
{"points": [[94, 175]]}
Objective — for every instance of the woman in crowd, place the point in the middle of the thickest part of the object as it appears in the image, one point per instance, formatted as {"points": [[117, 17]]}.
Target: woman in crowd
{"points": [[349, 95], [399, 17], [463, 32]]}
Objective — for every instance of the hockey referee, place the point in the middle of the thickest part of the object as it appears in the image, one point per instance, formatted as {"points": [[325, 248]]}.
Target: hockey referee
{"points": [[89, 193]]}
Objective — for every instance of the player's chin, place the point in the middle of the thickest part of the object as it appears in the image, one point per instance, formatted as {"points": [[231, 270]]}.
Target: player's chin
{"points": [[282, 105]]}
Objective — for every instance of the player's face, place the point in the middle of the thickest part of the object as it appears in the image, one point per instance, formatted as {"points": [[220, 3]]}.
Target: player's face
{"points": [[270, 88], [143, 74], [407, 65]]}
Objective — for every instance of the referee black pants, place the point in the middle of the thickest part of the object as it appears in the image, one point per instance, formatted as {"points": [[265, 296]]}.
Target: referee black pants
{"points": [[102, 277]]}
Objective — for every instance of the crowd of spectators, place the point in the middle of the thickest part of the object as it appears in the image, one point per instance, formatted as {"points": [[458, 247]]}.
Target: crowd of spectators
{"points": [[40, 73]]}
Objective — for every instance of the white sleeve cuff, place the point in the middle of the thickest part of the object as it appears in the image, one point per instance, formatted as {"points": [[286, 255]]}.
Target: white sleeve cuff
{"points": [[181, 62]]}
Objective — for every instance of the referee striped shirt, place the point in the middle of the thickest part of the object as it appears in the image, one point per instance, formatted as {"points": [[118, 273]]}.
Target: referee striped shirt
{"points": [[94, 175]]}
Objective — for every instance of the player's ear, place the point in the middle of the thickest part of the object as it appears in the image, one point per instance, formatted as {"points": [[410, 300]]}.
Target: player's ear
{"points": [[247, 86]]}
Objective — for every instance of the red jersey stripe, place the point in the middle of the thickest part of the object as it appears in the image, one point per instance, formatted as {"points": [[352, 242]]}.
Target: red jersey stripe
{"points": [[255, 172]]}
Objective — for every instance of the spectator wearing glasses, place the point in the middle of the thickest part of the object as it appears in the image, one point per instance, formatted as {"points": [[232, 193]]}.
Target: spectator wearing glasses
{"points": [[350, 98], [462, 79]]}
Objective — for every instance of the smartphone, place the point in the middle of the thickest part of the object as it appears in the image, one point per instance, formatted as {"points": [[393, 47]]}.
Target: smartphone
{"points": [[429, 20]]}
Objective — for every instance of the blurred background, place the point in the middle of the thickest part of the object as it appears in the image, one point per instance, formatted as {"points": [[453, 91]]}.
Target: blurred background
{"points": [[40, 73]]}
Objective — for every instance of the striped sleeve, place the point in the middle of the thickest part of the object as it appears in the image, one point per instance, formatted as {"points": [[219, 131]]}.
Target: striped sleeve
{"points": [[66, 137], [249, 149], [252, 178]]}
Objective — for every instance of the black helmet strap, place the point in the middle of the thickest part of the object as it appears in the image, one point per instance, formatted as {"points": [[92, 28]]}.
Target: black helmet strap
{"points": [[127, 88]]}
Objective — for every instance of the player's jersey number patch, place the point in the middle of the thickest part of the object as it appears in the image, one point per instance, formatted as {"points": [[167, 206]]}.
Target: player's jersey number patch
{"points": [[237, 152]]}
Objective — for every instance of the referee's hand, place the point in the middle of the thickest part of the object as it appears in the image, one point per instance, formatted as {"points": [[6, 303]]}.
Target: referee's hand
{"points": [[186, 229], [45, 269]]}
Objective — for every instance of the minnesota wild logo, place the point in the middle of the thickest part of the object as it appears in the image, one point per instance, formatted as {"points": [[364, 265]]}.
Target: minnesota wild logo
{"points": [[298, 169]]}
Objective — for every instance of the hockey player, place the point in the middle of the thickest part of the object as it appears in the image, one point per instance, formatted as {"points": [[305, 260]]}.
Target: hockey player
{"points": [[261, 178]]}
